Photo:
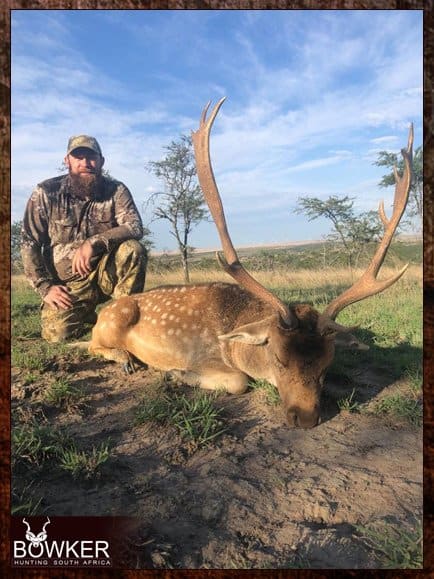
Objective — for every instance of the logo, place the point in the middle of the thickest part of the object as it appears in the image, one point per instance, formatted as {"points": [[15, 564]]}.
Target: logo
{"points": [[38, 550], [35, 540]]}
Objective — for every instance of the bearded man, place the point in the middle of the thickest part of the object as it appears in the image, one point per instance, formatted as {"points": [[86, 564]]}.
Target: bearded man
{"points": [[80, 242]]}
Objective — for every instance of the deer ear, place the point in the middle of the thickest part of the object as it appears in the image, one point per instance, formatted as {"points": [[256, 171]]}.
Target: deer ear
{"points": [[256, 333]]}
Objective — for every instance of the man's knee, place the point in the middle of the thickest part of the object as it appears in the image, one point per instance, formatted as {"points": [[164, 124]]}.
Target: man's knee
{"points": [[131, 247]]}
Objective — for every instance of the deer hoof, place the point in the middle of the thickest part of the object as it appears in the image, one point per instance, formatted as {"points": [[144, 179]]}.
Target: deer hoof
{"points": [[128, 368]]}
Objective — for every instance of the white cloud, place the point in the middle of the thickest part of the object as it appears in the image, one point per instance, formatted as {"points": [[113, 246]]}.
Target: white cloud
{"points": [[305, 120]]}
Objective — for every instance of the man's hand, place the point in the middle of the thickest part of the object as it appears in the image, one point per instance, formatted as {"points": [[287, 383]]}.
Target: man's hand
{"points": [[81, 259], [58, 297]]}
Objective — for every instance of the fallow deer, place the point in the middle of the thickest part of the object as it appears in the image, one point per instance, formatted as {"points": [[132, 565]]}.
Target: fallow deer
{"points": [[218, 335]]}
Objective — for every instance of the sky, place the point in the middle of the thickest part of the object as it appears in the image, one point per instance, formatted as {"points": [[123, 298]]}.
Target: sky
{"points": [[312, 97]]}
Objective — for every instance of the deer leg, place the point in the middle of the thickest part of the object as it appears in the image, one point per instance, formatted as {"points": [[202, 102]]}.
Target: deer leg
{"points": [[214, 379], [116, 355], [222, 379]]}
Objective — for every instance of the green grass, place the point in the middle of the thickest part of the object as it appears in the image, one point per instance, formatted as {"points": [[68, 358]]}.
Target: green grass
{"points": [[401, 407], [196, 418], [395, 548], [36, 355], [24, 501], [271, 393], [25, 312], [348, 403], [33, 444], [84, 464], [63, 394]]}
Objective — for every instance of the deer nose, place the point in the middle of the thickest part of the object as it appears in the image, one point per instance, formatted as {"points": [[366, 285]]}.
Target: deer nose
{"points": [[302, 419]]}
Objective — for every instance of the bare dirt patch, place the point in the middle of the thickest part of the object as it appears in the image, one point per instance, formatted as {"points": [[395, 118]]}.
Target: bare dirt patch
{"points": [[261, 495]]}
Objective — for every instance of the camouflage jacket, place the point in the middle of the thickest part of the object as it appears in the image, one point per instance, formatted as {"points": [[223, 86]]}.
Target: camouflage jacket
{"points": [[56, 223]]}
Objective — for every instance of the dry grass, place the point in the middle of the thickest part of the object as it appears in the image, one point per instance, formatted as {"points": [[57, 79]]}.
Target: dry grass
{"points": [[298, 279]]}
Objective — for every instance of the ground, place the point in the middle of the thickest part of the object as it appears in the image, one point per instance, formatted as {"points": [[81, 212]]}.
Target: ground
{"points": [[259, 495]]}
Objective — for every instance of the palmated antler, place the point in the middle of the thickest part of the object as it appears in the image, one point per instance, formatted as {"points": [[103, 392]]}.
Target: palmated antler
{"points": [[368, 285], [230, 262]]}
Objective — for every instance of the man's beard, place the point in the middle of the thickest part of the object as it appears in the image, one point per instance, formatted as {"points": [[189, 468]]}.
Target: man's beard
{"points": [[85, 184]]}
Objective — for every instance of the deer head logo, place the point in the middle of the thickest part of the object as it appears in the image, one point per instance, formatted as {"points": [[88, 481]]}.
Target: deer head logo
{"points": [[40, 537]]}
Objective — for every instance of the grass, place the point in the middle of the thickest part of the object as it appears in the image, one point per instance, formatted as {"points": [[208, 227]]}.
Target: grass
{"points": [[63, 394], [24, 501], [390, 323], [34, 444], [272, 396], [401, 407], [196, 418], [84, 464], [348, 404], [307, 284], [395, 548]]}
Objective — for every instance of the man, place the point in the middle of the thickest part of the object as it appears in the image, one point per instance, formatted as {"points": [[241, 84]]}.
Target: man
{"points": [[80, 242]]}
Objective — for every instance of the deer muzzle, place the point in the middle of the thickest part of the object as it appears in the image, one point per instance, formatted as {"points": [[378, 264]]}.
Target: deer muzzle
{"points": [[300, 418]]}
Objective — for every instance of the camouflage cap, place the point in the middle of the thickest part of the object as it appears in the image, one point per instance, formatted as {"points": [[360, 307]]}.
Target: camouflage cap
{"points": [[83, 141]]}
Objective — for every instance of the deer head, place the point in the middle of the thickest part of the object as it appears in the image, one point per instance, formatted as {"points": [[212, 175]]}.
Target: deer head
{"points": [[296, 343]]}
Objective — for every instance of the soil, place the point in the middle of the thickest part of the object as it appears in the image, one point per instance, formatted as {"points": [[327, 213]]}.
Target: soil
{"points": [[261, 495]]}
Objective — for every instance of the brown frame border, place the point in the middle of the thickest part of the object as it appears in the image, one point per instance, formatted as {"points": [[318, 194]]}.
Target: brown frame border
{"points": [[5, 181]]}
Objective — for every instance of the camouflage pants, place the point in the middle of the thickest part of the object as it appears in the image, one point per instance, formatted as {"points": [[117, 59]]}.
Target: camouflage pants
{"points": [[118, 273]]}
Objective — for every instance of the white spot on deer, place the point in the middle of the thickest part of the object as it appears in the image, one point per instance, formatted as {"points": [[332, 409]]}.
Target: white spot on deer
{"points": [[168, 303], [178, 332], [170, 331], [103, 325], [171, 317], [185, 326], [164, 316], [184, 289], [154, 322], [190, 312], [125, 310]]}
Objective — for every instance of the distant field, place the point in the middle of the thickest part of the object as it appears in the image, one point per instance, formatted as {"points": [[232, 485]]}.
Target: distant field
{"points": [[313, 256]]}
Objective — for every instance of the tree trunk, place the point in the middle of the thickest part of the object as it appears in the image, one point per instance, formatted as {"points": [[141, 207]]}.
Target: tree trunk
{"points": [[185, 265]]}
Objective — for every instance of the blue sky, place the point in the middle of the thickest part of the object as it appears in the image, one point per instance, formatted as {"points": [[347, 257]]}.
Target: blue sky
{"points": [[312, 96]]}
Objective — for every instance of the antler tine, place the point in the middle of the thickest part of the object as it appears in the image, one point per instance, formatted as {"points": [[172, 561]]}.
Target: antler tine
{"points": [[47, 523], [230, 262], [368, 285], [27, 524]]}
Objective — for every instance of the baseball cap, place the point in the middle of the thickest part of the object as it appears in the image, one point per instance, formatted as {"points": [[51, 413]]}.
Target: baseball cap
{"points": [[83, 141]]}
